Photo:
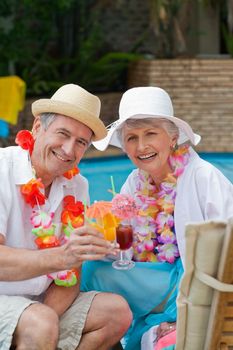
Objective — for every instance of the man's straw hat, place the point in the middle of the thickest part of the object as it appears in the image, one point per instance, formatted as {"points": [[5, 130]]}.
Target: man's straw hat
{"points": [[73, 101]]}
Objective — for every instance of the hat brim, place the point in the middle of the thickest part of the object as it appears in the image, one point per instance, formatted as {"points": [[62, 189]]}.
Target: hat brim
{"points": [[75, 112], [185, 132]]}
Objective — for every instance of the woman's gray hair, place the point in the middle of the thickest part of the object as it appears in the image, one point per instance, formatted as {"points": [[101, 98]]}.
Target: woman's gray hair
{"points": [[47, 119], [171, 129]]}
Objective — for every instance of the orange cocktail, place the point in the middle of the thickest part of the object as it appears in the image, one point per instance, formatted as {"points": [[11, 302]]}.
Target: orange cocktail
{"points": [[107, 226]]}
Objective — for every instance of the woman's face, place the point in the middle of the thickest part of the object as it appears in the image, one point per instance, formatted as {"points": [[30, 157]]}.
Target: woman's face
{"points": [[149, 149]]}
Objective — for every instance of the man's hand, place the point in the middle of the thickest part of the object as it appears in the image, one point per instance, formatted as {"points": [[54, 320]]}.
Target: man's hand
{"points": [[86, 243], [19, 264]]}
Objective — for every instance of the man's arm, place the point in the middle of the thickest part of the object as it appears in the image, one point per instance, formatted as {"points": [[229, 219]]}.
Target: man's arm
{"points": [[60, 298], [19, 264]]}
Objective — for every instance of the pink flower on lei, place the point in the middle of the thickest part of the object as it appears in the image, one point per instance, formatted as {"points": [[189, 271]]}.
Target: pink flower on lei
{"points": [[139, 247], [167, 236], [146, 201], [157, 208], [179, 159], [166, 206], [41, 218], [167, 252], [148, 245], [163, 219], [143, 225]]}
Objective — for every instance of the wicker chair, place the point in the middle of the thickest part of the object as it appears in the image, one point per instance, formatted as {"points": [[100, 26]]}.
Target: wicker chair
{"points": [[205, 301]]}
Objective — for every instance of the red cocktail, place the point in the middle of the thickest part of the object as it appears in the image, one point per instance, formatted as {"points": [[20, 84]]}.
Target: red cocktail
{"points": [[124, 236]]}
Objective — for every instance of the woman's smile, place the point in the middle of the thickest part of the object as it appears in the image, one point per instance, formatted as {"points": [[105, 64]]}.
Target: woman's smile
{"points": [[148, 156]]}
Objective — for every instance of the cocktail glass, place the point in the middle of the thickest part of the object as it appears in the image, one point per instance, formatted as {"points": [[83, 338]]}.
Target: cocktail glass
{"points": [[124, 236]]}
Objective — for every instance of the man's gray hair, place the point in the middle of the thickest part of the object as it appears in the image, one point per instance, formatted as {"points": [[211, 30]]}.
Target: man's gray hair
{"points": [[47, 119]]}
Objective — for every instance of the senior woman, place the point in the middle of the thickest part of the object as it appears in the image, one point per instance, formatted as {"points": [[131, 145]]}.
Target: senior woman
{"points": [[173, 186]]}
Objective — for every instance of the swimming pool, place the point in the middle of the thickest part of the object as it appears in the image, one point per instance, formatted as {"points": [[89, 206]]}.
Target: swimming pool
{"points": [[99, 170]]}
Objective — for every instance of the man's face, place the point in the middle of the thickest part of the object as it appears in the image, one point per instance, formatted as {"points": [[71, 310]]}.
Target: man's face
{"points": [[60, 147]]}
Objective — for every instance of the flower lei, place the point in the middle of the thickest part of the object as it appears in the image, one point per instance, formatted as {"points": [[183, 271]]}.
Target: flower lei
{"points": [[44, 229], [155, 238]]}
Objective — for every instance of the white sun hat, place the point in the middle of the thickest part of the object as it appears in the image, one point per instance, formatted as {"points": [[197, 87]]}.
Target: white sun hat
{"points": [[146, 102], [75, 102]]}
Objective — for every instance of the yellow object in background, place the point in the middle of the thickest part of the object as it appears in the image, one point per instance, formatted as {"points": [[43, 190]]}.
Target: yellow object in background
{"points": [[12, 98]]}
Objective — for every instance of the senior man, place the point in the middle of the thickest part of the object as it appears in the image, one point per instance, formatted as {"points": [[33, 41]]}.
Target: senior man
{"points": [[41, 306]]}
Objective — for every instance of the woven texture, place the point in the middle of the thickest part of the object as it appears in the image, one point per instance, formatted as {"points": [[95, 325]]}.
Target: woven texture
{"points": [[205, 314]]}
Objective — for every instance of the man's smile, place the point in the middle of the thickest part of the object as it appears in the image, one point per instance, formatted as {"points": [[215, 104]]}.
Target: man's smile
{"points": [[62, 158]]}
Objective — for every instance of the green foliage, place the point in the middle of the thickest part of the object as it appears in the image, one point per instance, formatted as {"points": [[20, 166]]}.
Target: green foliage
{"points": [[109, 72], [212, 3], [169, 27], [49, 43], [171, 19], [228, 39], [27, 33]]}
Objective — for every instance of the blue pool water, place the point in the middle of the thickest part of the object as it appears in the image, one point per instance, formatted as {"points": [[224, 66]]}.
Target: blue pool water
{"points": [[99, 170]]}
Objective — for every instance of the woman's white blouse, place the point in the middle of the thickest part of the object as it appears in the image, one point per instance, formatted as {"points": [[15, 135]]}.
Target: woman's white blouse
{"points": [[203, 193]]}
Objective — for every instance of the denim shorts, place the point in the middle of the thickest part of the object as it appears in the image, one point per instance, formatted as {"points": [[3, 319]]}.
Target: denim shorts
{"points": [[71, 322]]}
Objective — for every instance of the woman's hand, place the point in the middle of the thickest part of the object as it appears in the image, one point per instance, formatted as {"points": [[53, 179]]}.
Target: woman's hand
{"points": [[165, 328], [86, 243]]}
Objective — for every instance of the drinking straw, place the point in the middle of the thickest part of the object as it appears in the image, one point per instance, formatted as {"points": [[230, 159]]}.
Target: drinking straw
{"points": [[85, 217], [113, 186]]}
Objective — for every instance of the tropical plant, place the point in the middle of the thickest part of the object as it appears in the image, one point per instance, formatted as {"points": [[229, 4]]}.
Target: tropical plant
{"points": [[168, 26], [227, 26], [228, 39], [48, 43], [27, 36], [170, 23]]}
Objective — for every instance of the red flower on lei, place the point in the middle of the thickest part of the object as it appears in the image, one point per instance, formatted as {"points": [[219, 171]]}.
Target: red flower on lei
{"points": [[31, 192], [25, 140], [47, 242], [73, 212], [71, 173]]}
